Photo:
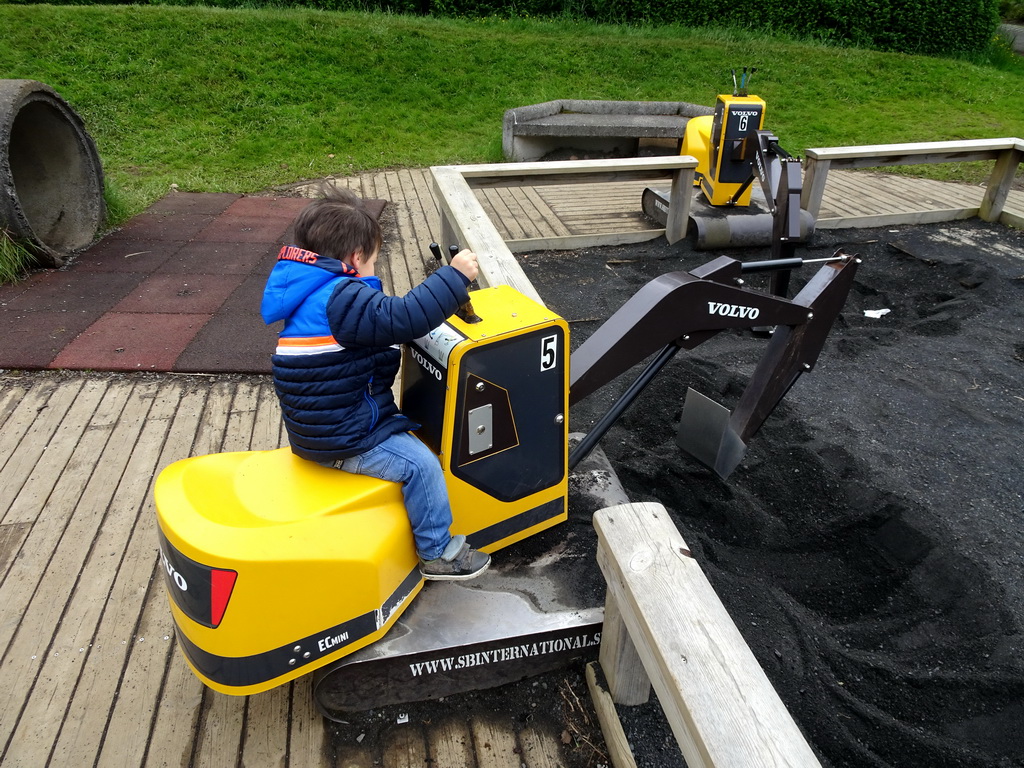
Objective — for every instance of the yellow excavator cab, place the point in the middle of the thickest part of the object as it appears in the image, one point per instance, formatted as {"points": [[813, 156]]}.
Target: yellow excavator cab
{"points": [[275, 566], [722, 145]]}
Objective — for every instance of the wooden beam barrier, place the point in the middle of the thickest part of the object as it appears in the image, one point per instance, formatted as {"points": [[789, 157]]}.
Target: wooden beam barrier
{"points": [[665, 626], [1008, 153], [999, 183], [464, 221]]}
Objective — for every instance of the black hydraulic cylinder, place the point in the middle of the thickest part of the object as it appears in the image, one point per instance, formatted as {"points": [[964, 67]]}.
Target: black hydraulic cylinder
{"points": [[771, 264], [593, 437]]}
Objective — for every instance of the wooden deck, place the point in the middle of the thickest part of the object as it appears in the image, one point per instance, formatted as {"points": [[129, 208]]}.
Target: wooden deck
{"points": [[92, 674], [523, 214], [89, 666], [853, 197]]}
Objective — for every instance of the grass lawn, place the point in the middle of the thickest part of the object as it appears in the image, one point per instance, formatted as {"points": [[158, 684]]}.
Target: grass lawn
{"points": [[243, 100]]}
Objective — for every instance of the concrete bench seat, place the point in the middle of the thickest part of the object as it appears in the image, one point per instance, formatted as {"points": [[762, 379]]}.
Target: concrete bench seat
{"points": [[578, 124], [529, 133]]}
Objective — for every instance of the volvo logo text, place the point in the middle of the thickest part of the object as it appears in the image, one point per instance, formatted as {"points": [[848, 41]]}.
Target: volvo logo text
{"points": [[732, 310], [428, 366], [176, 577]]}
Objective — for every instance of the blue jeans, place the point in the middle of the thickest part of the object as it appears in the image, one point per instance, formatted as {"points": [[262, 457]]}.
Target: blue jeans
{"points": [[404, 459]]}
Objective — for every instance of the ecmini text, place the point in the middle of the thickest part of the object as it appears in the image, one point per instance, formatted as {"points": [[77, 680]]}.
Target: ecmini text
{"points": [[326, 643]]}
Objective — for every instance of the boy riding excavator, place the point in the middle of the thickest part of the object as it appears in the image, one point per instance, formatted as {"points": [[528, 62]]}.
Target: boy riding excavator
{"points": [[277, 564]]}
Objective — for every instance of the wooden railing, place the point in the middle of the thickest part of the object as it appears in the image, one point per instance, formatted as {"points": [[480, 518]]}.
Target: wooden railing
{"points": [[1007, 154], [663, 623], [665, 626], [464, 221]]}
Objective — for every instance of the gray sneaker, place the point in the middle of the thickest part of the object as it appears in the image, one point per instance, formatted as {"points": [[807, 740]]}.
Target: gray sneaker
{"points": [[458, 562]]}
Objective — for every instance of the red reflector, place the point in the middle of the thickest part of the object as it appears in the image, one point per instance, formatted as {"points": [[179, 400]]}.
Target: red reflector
{"points": [[221, 584]]}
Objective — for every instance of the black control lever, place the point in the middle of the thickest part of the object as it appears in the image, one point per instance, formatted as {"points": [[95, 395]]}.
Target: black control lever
{"points": [[466, 313]]}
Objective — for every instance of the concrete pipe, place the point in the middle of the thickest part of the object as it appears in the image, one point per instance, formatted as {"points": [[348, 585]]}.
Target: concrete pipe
{"points": [[51, 179]]}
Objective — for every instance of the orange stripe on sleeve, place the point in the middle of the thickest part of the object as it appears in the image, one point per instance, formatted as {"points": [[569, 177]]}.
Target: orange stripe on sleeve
{"points": [[305, 341]]}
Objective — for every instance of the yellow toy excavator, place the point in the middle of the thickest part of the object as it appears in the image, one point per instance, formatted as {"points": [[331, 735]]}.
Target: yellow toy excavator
{"points": [[733, 151], [722, 144], [275, 566]]}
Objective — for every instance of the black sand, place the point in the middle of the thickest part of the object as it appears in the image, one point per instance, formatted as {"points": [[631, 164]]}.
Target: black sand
{"points": [[869, 546]]}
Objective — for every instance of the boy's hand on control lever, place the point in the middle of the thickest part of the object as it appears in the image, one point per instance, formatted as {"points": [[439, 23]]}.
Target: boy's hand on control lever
{"points": [[466, 263]]}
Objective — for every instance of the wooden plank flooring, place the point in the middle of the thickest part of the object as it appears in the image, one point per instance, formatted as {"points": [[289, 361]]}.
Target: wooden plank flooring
{"points": [[891, 198], [89, 659], [527, 213], [88, 662]]}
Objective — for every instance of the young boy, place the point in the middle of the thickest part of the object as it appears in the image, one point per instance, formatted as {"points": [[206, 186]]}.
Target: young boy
{"points": [[337, 358]]}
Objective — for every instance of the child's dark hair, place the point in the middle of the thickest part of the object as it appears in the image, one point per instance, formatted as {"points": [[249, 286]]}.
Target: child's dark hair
{"points": [[338, 226]]}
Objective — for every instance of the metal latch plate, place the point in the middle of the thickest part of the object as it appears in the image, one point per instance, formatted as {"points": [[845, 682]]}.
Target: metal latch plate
{"points": [[481, 433]]}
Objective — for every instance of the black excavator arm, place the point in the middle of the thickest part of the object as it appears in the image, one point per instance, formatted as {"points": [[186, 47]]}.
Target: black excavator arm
{"points": [[681, 310]]}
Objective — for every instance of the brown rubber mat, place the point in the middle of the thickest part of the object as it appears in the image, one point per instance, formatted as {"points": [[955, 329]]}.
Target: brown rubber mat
{"points": [[177, 288]]}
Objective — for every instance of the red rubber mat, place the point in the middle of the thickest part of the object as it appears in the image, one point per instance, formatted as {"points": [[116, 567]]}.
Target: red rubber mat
{"points": [[176, 289]]}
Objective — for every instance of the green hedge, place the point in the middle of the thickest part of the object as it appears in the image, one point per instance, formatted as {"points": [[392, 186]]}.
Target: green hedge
{"points": [[908, 26], [932, 27], [1012, 11]]}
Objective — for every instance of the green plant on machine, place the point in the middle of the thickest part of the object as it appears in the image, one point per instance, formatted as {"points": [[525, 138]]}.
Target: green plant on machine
{"points": [[15, 258]]}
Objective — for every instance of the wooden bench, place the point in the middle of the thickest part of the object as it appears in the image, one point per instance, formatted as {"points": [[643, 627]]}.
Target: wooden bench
{"points": [[1007, 154], [664, 625], [529, 133], [464, 220]]}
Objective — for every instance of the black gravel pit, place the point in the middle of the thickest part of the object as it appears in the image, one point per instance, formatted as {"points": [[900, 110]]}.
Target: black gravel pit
{"points": [[868, 547]]}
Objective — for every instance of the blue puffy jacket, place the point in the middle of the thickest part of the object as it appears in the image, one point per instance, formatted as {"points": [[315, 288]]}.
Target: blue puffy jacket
{"points": [[338, 355]]}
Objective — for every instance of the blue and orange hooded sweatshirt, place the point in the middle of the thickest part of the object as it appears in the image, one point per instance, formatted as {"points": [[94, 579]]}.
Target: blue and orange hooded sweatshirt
{"points": [[338, 354]]}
